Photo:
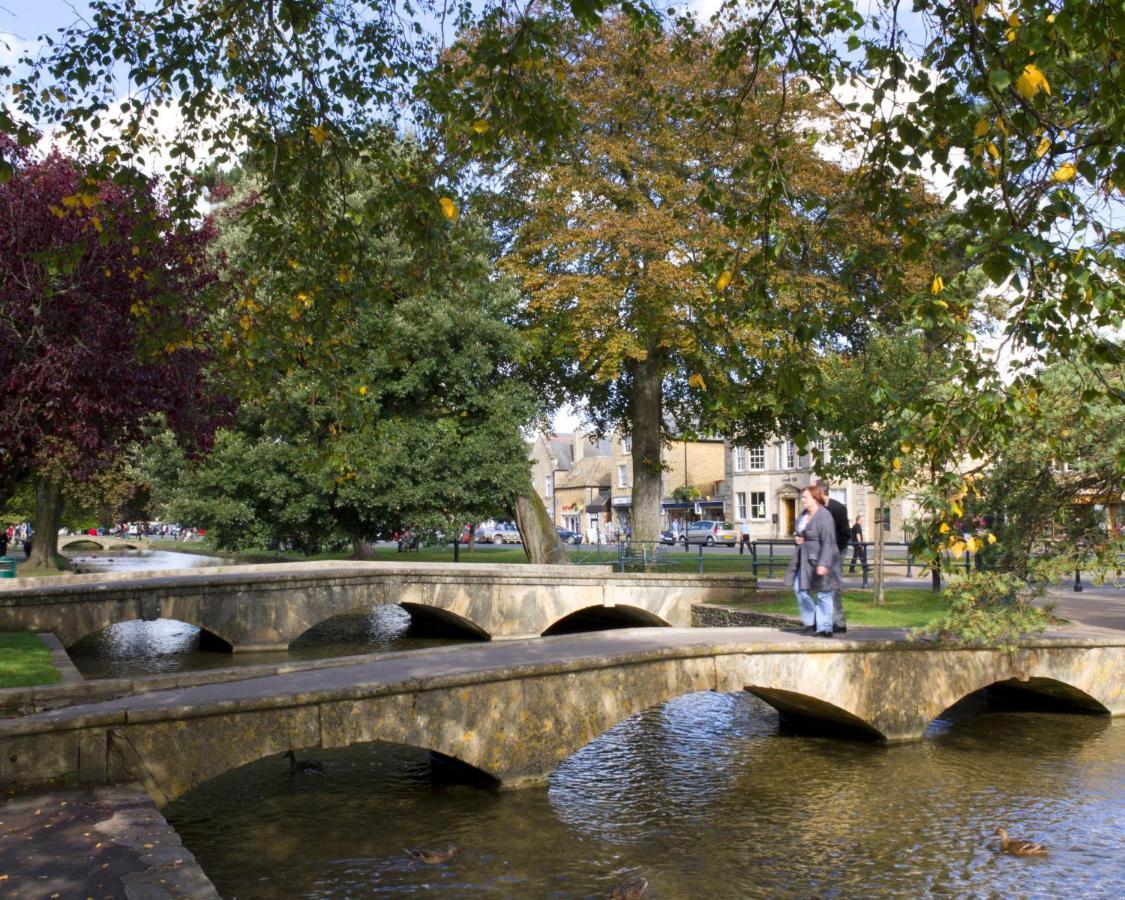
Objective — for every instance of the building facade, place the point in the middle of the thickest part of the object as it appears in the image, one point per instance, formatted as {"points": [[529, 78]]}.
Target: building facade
{"points": [[764, 489]]}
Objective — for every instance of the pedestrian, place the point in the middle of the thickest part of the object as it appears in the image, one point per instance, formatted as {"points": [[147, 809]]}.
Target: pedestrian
{"points": [[3, 543], [814, 568], [859, 552], [27, 547], [744, 538], [843, 537]]}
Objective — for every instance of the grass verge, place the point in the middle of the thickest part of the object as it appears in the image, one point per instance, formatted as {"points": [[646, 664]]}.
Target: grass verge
{"points": [[25, 660], [904, 607]]}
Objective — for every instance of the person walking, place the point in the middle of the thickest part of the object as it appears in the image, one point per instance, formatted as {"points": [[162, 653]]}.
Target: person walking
{"points": [[859, 552], [815, 567], [843, 537], [744, 538]]}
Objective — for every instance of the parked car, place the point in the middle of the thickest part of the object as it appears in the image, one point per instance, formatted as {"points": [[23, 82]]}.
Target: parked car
{"points": [[567, 536], [667, 537], [499, 533], [709, 532]]}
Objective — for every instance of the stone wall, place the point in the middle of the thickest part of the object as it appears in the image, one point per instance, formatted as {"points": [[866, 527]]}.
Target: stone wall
{"points": [[709, 615]]}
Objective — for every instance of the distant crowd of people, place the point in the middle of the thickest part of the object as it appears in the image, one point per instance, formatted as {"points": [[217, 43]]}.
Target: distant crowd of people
{"points": [[16, 535]]}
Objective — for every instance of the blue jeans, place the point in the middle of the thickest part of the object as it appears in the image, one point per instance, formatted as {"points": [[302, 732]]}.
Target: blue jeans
{"points": [[816, 612]]}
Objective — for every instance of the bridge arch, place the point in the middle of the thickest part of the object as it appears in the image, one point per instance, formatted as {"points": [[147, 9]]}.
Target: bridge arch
{"points": [[210, 639], [102, 542], [805, 712], [1039, 693], [603, 618]]}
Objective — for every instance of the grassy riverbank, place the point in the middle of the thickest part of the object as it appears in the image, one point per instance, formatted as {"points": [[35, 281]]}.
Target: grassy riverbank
{"points": [[25, 660], [904, 607]]}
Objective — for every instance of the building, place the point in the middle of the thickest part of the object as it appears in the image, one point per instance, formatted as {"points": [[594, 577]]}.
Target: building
{"points": [[764, 489], [692, 467]]}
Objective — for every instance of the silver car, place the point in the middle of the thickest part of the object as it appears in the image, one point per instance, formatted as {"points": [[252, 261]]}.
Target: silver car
{"points": [[499, 533], [709, 532]]}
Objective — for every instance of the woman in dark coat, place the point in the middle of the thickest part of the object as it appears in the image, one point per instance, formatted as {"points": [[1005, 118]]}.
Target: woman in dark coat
{"points": [[815, 567]]}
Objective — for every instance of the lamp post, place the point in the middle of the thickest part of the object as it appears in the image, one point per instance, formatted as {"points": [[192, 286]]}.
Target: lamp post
{"points": [[1078, 568]]}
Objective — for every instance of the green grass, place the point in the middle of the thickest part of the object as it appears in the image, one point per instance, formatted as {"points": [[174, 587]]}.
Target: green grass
{"points": [[904, 607], [25, 660]]}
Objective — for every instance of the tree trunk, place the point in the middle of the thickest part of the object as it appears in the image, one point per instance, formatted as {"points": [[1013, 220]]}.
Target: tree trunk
{"points": [[935, 574], [541, 541], [362, 549], [647, 423], [45, 529]]}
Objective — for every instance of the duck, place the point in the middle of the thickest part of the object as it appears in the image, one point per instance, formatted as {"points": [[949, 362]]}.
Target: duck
{"points": [[631, 889], [303, 765], [1019, 848], [432, 857]]}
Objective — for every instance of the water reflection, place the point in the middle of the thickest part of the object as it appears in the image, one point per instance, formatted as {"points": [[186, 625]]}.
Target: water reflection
{"points": [[137, 648], [109, 561], [701, 796]]}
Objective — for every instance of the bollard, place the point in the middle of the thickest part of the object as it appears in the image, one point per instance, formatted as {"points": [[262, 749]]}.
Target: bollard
{"points": [[1077, 580], [754, 558]]}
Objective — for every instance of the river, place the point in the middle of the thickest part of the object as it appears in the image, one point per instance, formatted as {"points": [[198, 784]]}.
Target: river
{"points": [[703, 797]]}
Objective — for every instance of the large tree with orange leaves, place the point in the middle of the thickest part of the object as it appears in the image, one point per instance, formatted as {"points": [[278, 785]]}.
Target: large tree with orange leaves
{"points": [[648, 300]]}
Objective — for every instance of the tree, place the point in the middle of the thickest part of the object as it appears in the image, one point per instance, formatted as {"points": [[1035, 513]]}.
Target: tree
{"points": [[398, 409], [646, 304], [96, 332]]}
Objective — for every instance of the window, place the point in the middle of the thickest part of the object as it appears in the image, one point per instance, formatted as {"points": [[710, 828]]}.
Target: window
{"points": [[840, 494], [758, 505], [741, 504], [627, 444], [622, 476], [740, 459], [570, 523], [790, 455], [548, 484], [757, 458]]}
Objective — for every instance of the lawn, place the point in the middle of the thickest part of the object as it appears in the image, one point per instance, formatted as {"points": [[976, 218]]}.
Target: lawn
{"points": [[25, 660], [904, 607]]}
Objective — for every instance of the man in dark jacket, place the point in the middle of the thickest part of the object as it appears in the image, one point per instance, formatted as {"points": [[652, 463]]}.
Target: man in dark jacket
{"points": [[843, 538]]}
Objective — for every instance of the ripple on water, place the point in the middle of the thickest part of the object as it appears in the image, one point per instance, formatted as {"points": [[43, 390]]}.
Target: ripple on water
{"points": [[703, 797]]}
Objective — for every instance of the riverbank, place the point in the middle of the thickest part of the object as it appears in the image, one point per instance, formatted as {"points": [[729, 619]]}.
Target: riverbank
{"points": [[26, 660]]}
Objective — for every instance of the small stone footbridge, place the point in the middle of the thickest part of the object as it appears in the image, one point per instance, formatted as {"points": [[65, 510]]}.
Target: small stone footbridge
{"points": [[515, 709], [102, 542], [266, 607]]}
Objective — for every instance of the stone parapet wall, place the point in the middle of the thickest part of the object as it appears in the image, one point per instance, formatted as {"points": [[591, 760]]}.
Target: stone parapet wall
{"points": [[706, 615]]}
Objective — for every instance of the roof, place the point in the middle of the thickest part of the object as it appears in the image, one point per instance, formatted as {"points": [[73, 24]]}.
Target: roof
{"points": [[590, 471], [562, 449]]}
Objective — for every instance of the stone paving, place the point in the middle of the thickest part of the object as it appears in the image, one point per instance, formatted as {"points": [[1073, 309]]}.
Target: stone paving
{"points": [[105, 842]]}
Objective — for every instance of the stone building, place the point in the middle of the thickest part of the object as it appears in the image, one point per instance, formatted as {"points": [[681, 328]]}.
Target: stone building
{"points": [[763, 486]]}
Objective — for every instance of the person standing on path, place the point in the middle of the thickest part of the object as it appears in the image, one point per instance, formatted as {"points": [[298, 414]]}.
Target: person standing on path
{"points": [[843, 537], [858, 551], [815, 567]]}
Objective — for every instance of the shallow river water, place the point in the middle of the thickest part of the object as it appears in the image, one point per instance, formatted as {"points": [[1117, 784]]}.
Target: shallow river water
{"points": [[704, 797]]}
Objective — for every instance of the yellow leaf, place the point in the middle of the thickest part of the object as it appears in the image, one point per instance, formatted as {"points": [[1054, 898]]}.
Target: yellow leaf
{"points": [[1065, 172], [957, 548], [991, 538], [318, 134], [1013, 20], [97, 223], [981, 128], [955, 508], [974, 544], [1044, 146], [937, 286], [906, 448], [448, 208], [944, 529], [696, 381], [993, 151], [1031, 82], [363, 390], [897, 464], [979, 9], [724, 280], [480, 126], [1011, 35]]}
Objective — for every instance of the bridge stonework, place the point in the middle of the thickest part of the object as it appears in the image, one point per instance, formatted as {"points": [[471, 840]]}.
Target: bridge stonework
{"points": [[267, 607], [516, 710]]}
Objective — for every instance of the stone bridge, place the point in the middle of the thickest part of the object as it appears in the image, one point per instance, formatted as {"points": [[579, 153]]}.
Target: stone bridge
{"points": [[267, 607], [103, 541], [516, 709]]}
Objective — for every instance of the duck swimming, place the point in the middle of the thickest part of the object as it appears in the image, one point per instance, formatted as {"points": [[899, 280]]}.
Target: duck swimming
{"points": [[1019, 848], [631, 889], [303, 765], [433, 857]]}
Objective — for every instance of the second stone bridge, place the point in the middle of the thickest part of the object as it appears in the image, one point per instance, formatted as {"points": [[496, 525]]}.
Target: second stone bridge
{"points": [[267, 607]]}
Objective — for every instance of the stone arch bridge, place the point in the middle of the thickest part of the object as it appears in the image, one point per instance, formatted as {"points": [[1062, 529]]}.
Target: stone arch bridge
{"points": [[516, 709], [266, 607], [103, 541]]}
